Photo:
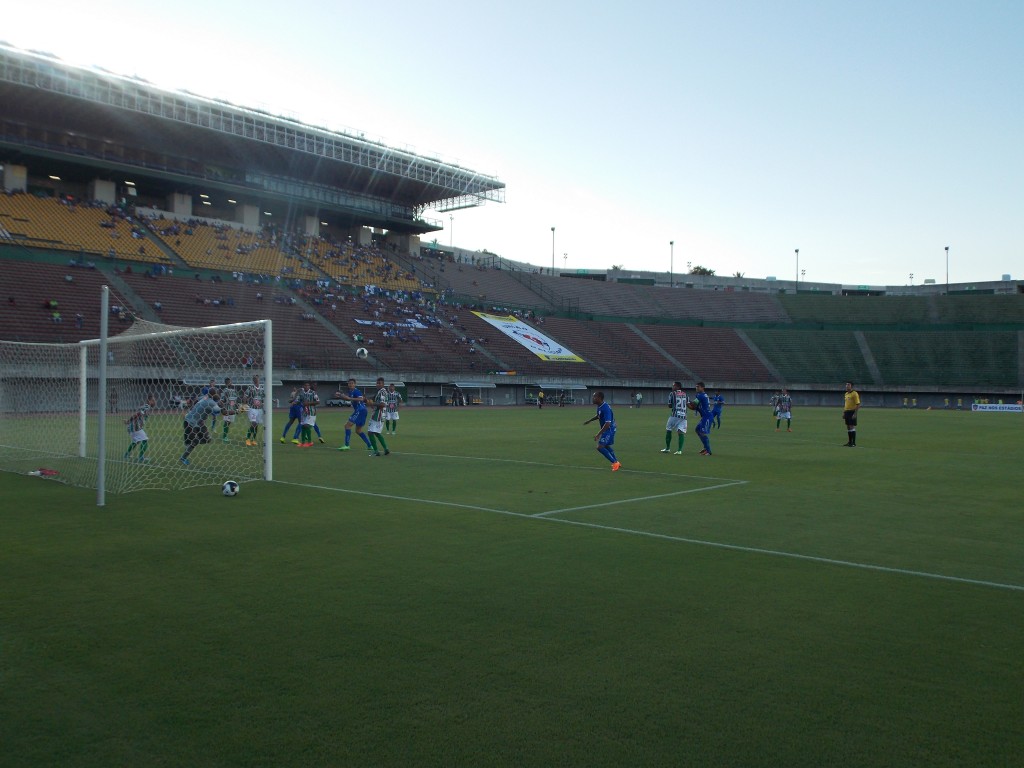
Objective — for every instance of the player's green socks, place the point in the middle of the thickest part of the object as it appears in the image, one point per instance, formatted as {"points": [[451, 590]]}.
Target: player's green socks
{"points": [[383, 441], [373, 442], [682, 439], [668, 439]]}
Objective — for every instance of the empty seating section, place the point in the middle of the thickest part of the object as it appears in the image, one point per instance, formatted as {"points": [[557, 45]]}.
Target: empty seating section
{"points": [[602, 298], [712, 354], [963, 358], [28, 286], [643, 359], [594, 343], [191, 302], [1007, 308], [721, 306], [47, 222], [493, 287], [813, 357], [858, 310], [613, 299]]}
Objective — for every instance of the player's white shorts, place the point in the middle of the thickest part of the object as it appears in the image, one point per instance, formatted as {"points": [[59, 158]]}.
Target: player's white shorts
{"points": [[374, 426], [138, 435], [255, 415], [229, 418], [785, 415], [391, 416], [676, 423], [309, 420]]}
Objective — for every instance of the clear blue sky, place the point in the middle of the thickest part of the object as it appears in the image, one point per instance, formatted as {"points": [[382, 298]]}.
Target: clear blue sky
{"points": [[869, 135]]}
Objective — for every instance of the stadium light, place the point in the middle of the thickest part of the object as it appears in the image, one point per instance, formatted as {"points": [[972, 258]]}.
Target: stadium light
{"points": [[671, 263], [947, 270], [552, 250]]}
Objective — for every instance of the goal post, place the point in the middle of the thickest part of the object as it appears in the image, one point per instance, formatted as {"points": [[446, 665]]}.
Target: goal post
{"points": [[109, 413]]}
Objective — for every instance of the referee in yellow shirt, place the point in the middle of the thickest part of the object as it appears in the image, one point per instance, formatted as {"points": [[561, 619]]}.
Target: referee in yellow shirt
{"points": [[851, 404]]}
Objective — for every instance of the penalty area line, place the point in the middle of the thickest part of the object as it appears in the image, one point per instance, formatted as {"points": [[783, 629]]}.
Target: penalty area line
{"points": [[679, 539], [638, 498]]}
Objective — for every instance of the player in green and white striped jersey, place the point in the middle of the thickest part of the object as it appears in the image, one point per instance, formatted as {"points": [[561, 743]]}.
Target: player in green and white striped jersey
{"points": [[137, 429]]}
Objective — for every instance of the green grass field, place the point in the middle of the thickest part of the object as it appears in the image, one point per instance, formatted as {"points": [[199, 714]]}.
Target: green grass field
{"points": [[493, 595]]}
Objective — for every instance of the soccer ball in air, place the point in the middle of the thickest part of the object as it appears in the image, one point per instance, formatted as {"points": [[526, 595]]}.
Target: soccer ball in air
{"points": [[230, 488], [362, 353]]}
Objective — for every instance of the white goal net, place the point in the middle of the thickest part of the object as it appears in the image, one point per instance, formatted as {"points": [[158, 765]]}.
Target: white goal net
{"points": [[126, 431]]}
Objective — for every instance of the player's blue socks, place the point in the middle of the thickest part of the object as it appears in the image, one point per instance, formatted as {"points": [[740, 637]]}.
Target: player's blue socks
{"points": [[348, 436], [365, 440], [705, 441], [608, 453]]}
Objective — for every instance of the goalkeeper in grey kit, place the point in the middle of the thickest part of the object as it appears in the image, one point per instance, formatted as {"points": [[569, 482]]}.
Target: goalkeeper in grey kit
{"points": [[194, 425]]}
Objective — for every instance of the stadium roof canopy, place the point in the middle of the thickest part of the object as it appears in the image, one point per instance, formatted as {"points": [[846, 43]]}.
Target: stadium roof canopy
{"points": [[93, 120]]}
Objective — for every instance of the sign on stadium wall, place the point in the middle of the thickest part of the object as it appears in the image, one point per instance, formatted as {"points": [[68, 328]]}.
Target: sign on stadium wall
{"points": [[999, 408], [532, 339]]}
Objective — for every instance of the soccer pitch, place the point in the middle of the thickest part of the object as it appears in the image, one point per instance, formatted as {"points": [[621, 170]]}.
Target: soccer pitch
{"points": [[492, 594]]}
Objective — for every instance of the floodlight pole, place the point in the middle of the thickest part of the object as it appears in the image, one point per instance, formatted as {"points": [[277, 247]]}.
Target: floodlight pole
{"points": [[671, 263], [797, 275], [947, 270], [552, 250]]}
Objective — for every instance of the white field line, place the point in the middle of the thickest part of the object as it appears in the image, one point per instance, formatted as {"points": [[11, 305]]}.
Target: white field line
{"points": [[638, 498], [649, 534], [680, 539]]}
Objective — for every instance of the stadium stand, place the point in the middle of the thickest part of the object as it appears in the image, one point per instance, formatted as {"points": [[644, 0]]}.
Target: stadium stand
{"points": [[712, 354], [66, 225], [27, 313], [183, 301], [955, 358], [806, 356]]}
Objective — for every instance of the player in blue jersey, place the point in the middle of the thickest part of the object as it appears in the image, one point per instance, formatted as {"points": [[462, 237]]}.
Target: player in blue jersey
{"points": [[294, 417], [358, 417], [605, 437], [716, 409], [676, 418], [704, 411]]}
